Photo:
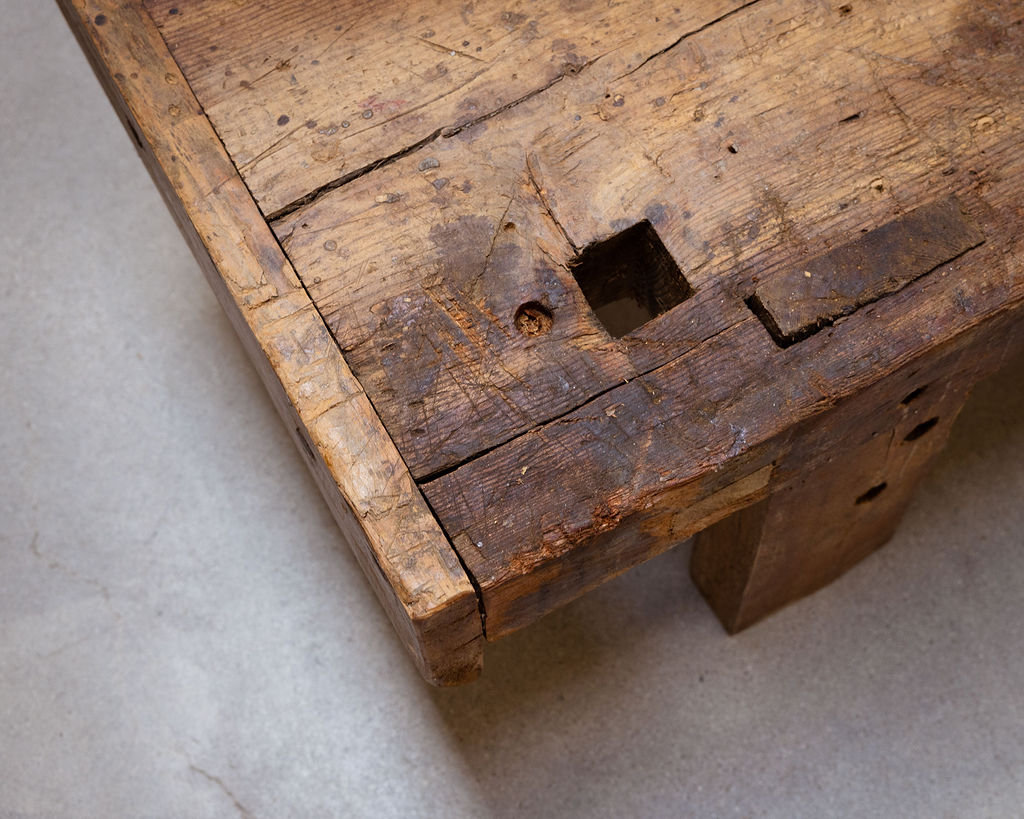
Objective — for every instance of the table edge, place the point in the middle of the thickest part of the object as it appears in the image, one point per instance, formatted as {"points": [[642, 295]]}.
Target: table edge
{"points": [[395, 536]]}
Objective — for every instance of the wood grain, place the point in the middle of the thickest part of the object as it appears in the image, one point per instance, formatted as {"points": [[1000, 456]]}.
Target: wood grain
{"points": [[795, 304], [619, 468], [383, 515], [419, 275], [306, 94], [437, 203], [841, 488], [777, 136]]}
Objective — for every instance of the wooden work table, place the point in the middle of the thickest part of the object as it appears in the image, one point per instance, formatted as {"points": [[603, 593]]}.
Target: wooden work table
{"points": [[545, 288]]}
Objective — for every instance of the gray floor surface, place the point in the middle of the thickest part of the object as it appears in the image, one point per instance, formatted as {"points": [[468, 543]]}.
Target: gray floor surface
{"points": [[184, 633]]}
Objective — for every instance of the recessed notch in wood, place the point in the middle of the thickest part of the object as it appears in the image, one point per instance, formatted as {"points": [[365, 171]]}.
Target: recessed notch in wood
{"points": [[629, 279], [800, 302]]}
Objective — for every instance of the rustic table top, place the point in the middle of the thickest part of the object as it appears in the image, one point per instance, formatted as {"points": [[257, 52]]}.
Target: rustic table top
{"points": [[543, 288]]}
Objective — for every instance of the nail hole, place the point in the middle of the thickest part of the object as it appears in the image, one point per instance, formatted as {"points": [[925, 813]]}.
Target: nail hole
{"points": [[845, 9], [913, 396], [533, 319], [921, 429], [871, 494], [630, 279], [733, 149]]}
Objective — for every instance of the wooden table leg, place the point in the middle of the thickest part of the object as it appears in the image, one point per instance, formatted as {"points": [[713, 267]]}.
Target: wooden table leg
{"points": [[842, 488]]}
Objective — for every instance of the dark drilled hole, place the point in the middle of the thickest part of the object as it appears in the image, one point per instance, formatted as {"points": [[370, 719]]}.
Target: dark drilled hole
{"points": [[845, 9], [733, 149], [630, 279], [913, 396], [921, 429], [533, 319], [871, 494]]}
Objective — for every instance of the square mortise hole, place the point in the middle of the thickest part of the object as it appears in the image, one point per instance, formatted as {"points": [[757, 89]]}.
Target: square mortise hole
{"points": [[629, 279]]}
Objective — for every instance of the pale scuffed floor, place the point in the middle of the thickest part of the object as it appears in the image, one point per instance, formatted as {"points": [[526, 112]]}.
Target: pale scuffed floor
{"points": [[183, 633]]}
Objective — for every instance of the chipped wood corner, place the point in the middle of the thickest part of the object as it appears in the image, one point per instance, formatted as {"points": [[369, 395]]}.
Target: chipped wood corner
{"points": [[397, 540]]}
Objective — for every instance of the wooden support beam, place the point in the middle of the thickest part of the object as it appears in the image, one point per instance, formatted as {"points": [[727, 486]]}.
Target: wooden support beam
{"points": [[842, 489]]}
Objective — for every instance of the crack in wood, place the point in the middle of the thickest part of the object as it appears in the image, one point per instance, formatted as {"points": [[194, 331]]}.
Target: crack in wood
{"points": [[450, 131], [692, 33]]}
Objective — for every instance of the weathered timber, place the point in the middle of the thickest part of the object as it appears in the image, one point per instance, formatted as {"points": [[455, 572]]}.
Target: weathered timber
{"points": [[798, 304], [482, 223], [840, 489], [411, 566], [606, 276], [306, 94], [586, 496]]}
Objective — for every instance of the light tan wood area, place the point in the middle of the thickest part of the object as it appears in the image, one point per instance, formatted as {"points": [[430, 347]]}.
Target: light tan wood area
{"points": [[606, 274], [305, 94], [382, 513]]}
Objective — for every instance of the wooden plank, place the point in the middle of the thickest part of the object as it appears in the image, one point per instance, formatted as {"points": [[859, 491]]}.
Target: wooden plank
{"points": [[609, 477], [556, 449], [411, 566], [830, 512], [796, 304], [419, 278], [307, 93]]}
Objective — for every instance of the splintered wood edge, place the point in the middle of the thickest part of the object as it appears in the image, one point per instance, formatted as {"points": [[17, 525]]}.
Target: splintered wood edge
{"points": [[411, 565]]}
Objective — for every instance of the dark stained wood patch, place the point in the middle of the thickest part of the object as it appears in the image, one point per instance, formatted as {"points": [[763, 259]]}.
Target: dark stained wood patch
{"points": [[798, 303]]}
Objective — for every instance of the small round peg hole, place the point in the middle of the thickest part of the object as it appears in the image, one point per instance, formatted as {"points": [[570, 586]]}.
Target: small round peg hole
{"points": [[533, 319]]}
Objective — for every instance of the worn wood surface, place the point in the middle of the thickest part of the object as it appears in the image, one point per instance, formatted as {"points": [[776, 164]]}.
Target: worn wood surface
{"points": [[381, 511], [805, 299], [307, 94], [825, 199], [484, 222], [612, 476], [841, 487]]}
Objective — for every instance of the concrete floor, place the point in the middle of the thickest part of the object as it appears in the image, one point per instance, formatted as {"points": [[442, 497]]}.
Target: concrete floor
{"points": [[183, 632]]}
